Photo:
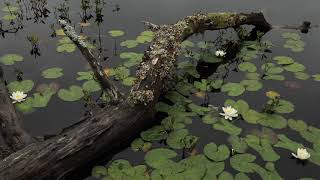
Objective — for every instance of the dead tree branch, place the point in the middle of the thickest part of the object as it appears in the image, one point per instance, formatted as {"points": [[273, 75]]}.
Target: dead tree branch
{"points": [[116, 124]]}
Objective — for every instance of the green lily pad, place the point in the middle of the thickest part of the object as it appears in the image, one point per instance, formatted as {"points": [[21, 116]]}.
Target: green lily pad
{"points": [[263, 147], [233, 89], [41, 100], [68, 47], [297, 125], [241, 176], [274, 77], [99, 171], [144, 39], [137, 144], [283, 106], [227, 127], [247, 67], [157, 158], [25, 106], [155, 133], [10, 59], [215, 153], [24, 86], [203, 85], [91, 86], [243, 162], [10, 8], [253, 76], [52, 73], [210, 58], [216, 84], [88, 75], [283, 60], [121, 72], [295, 67], [129, 43], [225, 175], [176, 138], [241, 105], [74, 93], [116, 33], [239, 145], [9, 17], [301, 75], [316, 77], [187, 44], [252, 85], [129, 81], [198, 109], [291, 35], [271, 68]]}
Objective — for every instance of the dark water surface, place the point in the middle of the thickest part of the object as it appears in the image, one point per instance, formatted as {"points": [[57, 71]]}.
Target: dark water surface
{"points": [[128, 18]]}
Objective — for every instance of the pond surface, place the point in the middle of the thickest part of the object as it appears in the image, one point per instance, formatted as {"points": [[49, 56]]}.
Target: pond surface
{"points": [[127, 16]]}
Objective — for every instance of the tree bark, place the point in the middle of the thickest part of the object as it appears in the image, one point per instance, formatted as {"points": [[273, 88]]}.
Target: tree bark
{"points": [[116, 124], [12, 136]]}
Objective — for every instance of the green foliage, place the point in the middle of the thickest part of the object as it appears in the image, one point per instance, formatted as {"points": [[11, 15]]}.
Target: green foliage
{"points": [[129, 43], [239, 145], [88, 75], [187, 44], [160, 157], [233, 89], [293, 42], [283, 60], [9, 17], [295, 67], [252, 85], [215, 153], [52, 73], [24, 86], [283, 106], [227, 127], [116, 33], [74, 93], [247, 67], [243, 162], [10, 8], [10, 59], [66, 45], [91, 86]]}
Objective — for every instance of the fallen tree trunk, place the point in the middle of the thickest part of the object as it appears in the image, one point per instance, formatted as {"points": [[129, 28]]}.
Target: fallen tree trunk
{"points": [[115, 124], [12, 136]]}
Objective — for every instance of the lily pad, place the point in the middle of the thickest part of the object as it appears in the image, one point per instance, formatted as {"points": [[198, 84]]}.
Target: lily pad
{"points": [[233, 89], [68, 47], [116, 33], [227, 127], [129, 81], [91, 86], [283, 60], [9, 17], [225, 175], [247, 67], [176, 138], [316, 77], [295, 67], [252, 85], [24, 86], [10, 59], [129, 43], [253, 76], [155, 133], [297, 125], [283, 106], [74, 93], [243, 162], [187, 44], [10, 8], [137, 144], [157, 158], [215, 153], [301, 75], [52, 73], [238, 144], [274, 77], [88, 75]]}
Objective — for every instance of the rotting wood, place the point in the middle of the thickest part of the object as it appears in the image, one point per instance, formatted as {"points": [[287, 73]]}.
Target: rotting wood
{"points": [[114, 125]]}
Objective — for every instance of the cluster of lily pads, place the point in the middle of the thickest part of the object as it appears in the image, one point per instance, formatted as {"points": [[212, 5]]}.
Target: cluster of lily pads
{"points": [[179, 155], [11, 12]]}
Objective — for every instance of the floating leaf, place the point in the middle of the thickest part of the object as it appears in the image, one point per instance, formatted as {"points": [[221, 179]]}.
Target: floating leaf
{"points": [[129, 43], [228, 127], [263, 147], [88, 75], [283, 106], [225, 176], [137, 144], [144, 39], [157, 158], [9, 17], [74, 93], [216, 84], [25, 106], [41, 100], [301, 75], [24, 86], [253, 76], [215, 153], [10, 9], [243, 162], [184, 88], [187, 44], [247, 67], [156, 133], [241, 176], [271, 68], [297, 125], [99, 171], [252, 85], [291, 35], [129, 81], [239, 145], [121, 72], [91, 86], [283, 60], [295, 67], [233, 89], [316, 77], [274, 77], [203, 85], [60, 32], [176, 138], [210, 58], [241, 105], [52, 73], [10, 59], [198, 109], [116, 33], [68, 47]]}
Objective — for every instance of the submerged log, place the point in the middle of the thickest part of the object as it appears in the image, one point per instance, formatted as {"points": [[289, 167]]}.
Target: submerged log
{"points": [[114, 125], [12, 136]]}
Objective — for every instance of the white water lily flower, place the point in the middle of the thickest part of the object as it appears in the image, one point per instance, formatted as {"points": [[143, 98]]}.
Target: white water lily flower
{"points": [[302, 154], [229, 112], [18, 96], [220, 53]]}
